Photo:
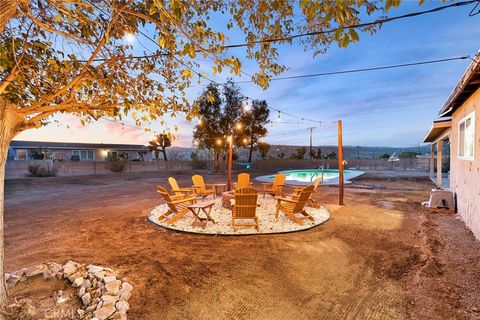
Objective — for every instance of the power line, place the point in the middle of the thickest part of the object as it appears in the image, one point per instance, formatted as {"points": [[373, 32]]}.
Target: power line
{"points": [[354, 26], [363, 69], [313, 33]]}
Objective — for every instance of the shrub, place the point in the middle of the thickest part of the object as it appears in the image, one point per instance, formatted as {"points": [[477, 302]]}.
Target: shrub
{"points": [[117, 165], [37, 170], [197, 162]]}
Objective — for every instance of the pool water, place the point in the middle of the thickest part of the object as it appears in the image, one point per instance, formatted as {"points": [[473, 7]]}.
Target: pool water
{"points": [[307, 176]]}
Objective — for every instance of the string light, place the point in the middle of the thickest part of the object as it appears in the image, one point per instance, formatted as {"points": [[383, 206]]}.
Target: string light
{"points": [[200, 121], [238, 126], [279, 114], [246, 106], [245, 140], [129, 37]]}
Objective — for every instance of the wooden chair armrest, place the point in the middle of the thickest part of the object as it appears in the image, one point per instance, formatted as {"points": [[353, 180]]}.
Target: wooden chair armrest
{"points": [[280, 199], [184, 200]]}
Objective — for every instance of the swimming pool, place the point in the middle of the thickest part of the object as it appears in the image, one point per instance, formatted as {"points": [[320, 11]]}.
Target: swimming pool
{"points": [[307, 176]]}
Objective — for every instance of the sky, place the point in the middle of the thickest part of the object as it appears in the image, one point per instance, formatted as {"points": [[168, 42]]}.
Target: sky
{"points": [[392, 107]]}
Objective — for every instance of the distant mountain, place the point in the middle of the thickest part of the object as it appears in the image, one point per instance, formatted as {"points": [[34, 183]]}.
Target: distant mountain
{"points": [[349, 152]]}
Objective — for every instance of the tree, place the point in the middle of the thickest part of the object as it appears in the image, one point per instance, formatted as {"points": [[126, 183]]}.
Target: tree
{"points": [[255, 121], [263, 148], [299, 153], [160, 143], [332, 155], [407, 155], [385, 156], [317, 155], [70, 56], [220, 113]]}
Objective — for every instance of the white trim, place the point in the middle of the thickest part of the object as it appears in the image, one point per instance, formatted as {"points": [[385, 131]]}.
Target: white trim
{"points": [[463, 120]]}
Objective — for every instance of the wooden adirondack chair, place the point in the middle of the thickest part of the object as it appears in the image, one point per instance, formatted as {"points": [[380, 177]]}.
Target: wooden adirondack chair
{"points": [[245, 207], [201, 189], [291, 207], [179, 192], [177, 206], [243, 181], [311, 202], [275, 188]]}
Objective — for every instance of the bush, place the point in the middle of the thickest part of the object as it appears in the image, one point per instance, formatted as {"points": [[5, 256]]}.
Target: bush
{"points": [[117, 165], [198, 163], [37, 170]]}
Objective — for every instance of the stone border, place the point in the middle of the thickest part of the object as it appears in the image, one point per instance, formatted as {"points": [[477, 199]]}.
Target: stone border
{"points": [[268, 224], [102, 293]]}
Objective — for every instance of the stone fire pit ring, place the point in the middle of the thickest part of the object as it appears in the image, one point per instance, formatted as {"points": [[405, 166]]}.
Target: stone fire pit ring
{"points": [[223, 220]]}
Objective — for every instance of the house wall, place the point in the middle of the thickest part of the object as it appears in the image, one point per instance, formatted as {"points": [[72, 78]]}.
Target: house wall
{"points": [[465, 174]]}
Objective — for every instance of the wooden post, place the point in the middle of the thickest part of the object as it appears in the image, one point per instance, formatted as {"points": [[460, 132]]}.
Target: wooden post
{"points": [[230, 158], [439, 163], [432, 160], [340, 164]]}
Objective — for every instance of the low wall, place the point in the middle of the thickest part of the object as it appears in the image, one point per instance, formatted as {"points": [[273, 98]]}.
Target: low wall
{"points": [[19, 169]]}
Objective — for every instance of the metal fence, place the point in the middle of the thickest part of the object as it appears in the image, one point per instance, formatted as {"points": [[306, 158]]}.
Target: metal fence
{"points": [[19, 169], [416, 164]]}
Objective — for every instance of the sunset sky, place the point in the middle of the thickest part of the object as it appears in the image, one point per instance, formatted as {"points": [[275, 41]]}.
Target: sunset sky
{"points": [[379, 108]]}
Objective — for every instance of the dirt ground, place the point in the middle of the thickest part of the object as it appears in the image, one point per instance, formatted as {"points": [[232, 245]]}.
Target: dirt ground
{"points": [[381, 256]]}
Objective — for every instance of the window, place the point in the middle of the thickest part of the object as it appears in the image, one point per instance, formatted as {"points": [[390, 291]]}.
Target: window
{"points": [[83, 154], [466, 137], [21, 154]]}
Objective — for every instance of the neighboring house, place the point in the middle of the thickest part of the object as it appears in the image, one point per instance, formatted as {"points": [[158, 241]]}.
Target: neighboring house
{"points": [[459, 128], [32, 150]]}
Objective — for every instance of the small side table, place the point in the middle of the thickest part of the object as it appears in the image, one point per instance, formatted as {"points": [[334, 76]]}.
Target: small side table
{"points": [[197, 209], [219, 186]]}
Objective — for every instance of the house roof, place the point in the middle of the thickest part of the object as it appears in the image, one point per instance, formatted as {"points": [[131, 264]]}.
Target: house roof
{"points": [[438, 130], [72, 145], [468, 84]]}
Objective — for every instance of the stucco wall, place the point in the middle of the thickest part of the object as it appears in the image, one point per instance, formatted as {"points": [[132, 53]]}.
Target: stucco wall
{"points": [[465, 174]]}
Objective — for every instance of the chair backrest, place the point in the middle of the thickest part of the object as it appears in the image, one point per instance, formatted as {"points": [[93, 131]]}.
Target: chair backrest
{"points": [[243, 180], [167, 198], [303, 198], [173, 183], [278, 180], [245, 203], [316, 183], [199, 183]]}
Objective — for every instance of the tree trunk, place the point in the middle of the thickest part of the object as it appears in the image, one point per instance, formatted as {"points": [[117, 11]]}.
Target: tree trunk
{"points": [[216, 163], [10, 122], [164, 151], [251, 151]]}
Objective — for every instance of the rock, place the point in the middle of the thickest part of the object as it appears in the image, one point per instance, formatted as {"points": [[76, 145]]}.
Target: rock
{"points": [[35, 270], [84, 287], [122, 306], [109, 279], [126, 291], [119, 316], [91, 308], [78, 282], [69, 268], [93, 268], [99, 275], [476, 309], [86, 299], [80, 313], [108, 299], [12, 280], [104, 312], [113, 287], [74, 276]]}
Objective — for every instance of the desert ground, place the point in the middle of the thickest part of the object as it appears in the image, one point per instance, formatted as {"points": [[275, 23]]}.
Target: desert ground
{"points": [[380, 256]]}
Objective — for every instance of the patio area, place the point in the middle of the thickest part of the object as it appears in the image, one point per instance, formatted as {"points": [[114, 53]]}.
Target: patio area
{"points": [[381, 256]]}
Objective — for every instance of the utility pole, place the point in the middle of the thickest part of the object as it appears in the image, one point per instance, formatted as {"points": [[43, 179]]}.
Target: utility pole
{"points": [[311, 133], [340, 163]]}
